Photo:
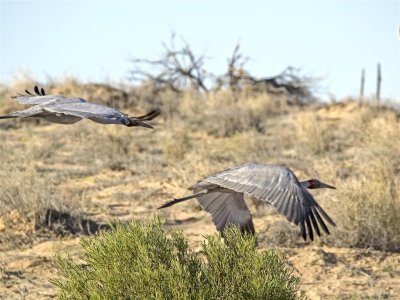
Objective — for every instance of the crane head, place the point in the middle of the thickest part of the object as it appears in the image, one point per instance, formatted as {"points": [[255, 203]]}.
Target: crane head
{"points": [[316, 184]]}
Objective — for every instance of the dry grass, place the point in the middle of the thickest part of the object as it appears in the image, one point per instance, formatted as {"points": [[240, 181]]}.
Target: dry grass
{"points": [[355, 149], [370, 188], [359, 154]]}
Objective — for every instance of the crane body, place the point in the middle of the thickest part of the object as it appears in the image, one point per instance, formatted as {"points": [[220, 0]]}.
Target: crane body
{"points": [[221, 194], [63, 110]]}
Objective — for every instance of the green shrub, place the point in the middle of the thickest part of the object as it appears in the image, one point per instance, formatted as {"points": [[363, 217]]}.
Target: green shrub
{"points": [[142, 261]]}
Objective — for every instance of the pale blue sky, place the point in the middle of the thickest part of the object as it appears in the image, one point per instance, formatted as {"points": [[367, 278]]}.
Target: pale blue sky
{"points": [[93, 40]]}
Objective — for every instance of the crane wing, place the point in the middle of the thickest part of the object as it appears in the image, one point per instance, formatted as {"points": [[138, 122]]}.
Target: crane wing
{"points": [[39, 97], [86, 110], [278, 186], [227, 208], [47, 100]]}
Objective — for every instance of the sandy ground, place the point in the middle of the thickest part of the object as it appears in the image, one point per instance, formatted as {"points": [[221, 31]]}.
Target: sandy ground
{"points": [[326, 272]]}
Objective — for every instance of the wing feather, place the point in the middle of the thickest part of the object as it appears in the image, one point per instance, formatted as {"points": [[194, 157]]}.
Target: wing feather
{"points": [[227, 208], [315, 225], [303, 230], [320, 221], [309, 228], [47, 100], [287, 201], [37, 92]]}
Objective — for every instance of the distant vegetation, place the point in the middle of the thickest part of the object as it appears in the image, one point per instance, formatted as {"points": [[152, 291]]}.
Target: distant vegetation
{"points": [[142, 261], [352, 147]]}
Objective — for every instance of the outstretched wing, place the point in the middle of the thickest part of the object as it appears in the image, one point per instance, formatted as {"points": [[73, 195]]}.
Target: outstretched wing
{"points": [[227, 208], [86, 110], [278, 186], [40, 98]]}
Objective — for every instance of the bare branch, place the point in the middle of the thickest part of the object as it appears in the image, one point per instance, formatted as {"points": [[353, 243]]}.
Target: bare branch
{"points": [[181, 69], [176, 69]]}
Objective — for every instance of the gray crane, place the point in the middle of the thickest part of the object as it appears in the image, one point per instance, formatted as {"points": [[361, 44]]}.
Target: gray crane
{"points": [[221, 194], [62, 110]]}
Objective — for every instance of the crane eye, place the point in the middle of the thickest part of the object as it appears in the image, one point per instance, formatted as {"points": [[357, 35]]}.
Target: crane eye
{"points": [[312, 183]]}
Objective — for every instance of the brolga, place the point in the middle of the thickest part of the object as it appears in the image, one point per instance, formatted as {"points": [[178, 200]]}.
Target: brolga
{"points": [[63, 110], [221, 194]]}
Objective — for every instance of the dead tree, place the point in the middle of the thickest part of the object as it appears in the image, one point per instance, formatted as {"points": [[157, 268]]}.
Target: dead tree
{"points": [[236, 73], [298, 89], [177, 69], [180, 69]]}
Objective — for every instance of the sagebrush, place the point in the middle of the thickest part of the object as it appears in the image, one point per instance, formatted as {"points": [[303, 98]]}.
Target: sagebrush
{"points": [[143, 261]]}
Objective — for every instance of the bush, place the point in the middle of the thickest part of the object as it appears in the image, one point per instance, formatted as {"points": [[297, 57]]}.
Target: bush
{"points": [[142, 261]]}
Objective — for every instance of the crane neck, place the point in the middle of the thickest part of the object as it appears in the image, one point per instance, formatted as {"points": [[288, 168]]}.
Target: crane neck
{"points": [[305, 184]]}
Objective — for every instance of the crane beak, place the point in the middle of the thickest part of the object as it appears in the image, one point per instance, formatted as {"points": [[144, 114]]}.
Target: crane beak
{"points": [[327, 186], [144, 124], [135, 122]]}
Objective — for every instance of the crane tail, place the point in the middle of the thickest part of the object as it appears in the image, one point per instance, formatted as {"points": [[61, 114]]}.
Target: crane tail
{"points": [[8, 117], [177, 200]]}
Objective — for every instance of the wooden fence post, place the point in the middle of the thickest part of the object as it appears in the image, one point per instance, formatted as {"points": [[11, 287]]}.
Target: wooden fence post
{"points": [[378, 83], [361, 100]]}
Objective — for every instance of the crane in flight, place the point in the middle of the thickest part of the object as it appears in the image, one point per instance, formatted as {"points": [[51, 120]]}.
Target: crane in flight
{"points": [[63, 110], [221, 194]]}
